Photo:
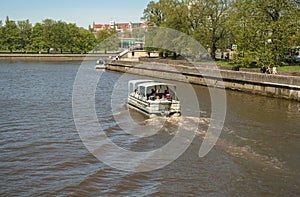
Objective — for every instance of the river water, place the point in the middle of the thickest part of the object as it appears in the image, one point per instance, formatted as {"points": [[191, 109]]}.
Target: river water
{"points": [[42, 154]]}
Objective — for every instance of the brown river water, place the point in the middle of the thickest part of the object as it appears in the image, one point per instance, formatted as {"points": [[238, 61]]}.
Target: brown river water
{"points": [[42, 154]]}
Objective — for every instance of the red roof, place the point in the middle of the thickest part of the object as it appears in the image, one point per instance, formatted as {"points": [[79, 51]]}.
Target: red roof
{"points": [[101, 26], [120, 25]]}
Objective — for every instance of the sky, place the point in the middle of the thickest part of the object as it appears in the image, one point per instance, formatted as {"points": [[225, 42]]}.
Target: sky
{"points": [[81, 12]]}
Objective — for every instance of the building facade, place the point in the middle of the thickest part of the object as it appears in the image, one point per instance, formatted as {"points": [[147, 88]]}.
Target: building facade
{"points": [[119, 27]]}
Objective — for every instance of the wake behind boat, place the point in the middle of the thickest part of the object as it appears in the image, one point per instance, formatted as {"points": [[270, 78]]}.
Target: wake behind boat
{"points": [[153, 98]]}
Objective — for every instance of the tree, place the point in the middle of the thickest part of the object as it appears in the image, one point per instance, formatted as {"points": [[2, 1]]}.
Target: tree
{"points": [[25, 28], [37, 37], [1, 35], [48, 33], [165, 13], [207, 19], [11, 35], [60, 36], [73, 34], [107, 40], [262, 29], [153, 14], [85, 41]]}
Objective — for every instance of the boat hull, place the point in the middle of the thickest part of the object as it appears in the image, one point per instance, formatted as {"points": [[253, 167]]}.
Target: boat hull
{"points": [[100, 66], [154, 108]]}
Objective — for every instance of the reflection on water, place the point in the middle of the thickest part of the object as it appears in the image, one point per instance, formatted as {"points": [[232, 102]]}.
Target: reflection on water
{"points": [[42, 153]]}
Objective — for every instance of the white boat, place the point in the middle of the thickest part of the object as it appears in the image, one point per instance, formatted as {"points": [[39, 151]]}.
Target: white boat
{"points": [[153, 98], [101, 64]]}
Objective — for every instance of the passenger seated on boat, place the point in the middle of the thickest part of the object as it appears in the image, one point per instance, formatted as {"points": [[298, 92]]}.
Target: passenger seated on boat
{"points": [[166, 92], [136, 93], [157, 91], [168, 96], [151, 95], [157, 98], [163, 98]]}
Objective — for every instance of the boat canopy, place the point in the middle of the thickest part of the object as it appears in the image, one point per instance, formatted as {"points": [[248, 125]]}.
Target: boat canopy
{"points": [[147, 88], [133, 84], [101, 61]]}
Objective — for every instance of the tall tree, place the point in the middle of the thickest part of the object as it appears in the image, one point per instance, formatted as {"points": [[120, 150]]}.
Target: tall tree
{"points": [[73, 34], [107, 40], [165, 13], [48, 33], [11, 35], [61, 36], [1, 35], [37, 38], [207, 18], [25, 28], [85, 41], [262, 29]]}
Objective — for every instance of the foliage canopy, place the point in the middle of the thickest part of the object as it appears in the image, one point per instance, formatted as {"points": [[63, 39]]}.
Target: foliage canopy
{"points": [[264, 31]]}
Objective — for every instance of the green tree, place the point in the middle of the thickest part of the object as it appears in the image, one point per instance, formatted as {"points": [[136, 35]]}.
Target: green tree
{"points": [[295, 40], [60, 36], [85, 41], [107, 40], [11, 35], [37, 38], [165, 13], [1, 35], [25, 28], [48, 34], [73, 34], [207, 19], [262, 29], [153, 14]]}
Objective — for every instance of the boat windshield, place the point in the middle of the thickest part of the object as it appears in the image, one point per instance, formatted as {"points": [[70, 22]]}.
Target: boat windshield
{"points": [[154, 91], [133, 84]]}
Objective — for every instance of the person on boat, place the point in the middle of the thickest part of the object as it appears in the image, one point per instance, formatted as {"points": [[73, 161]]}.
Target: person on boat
{"points": [[157, 92], [151, 95], [166, 92], [168, 96], [136, 93], [163, 98]]}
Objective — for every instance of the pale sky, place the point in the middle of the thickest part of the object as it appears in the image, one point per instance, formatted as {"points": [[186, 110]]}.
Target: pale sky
{"points": [[83, 13]]}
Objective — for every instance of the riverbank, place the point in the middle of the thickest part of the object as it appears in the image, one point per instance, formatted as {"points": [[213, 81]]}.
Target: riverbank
{"points": [[281, 86], [54, 57]]}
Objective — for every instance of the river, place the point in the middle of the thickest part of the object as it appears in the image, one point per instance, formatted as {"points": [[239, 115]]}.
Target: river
{"points": [[42, 154]]}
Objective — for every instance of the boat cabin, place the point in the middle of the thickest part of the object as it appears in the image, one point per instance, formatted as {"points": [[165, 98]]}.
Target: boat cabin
{"points": [[151, 97]]}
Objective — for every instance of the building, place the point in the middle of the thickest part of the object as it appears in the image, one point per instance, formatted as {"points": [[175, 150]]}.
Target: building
{"points": [[119, 27]]}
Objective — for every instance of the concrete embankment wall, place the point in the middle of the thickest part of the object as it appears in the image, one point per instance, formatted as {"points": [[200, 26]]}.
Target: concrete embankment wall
{"points": [[270, 85], [54, 57]]}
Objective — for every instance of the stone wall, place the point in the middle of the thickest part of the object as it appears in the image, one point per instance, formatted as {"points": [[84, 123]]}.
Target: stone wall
{"points": [[265, 84], [54, 57]]}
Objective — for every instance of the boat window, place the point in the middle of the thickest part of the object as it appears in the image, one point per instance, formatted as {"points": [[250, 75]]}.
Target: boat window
{"points": [[142, 91], [130, 88]]}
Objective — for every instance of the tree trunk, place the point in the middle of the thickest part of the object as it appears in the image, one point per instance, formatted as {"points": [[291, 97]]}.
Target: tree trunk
{"points": [[213, 51]]}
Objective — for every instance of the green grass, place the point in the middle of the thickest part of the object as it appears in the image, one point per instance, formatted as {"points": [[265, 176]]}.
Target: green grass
{"points": [[279, 68], [289, 68], [223, 63]]}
